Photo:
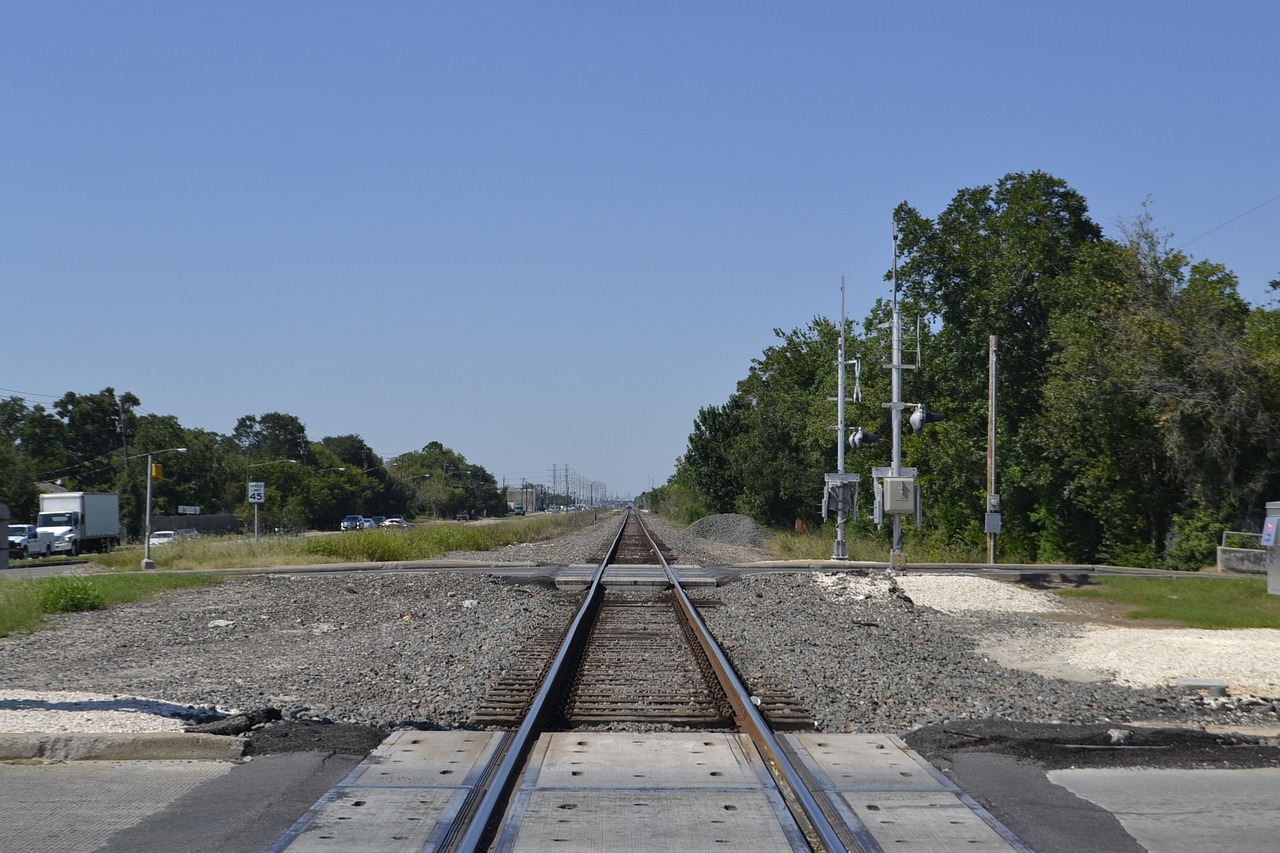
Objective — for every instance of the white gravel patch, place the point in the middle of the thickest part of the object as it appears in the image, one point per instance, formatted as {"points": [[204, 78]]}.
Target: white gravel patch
{"points": [[945, 593], [69, 711], [1247, 659]]}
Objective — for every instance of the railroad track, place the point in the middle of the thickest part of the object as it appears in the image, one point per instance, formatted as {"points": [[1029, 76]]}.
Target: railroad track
{"points": [[641, 658]]}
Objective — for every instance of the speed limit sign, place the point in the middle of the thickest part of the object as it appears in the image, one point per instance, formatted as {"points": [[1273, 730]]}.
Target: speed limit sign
{"points": [[257, 493]]}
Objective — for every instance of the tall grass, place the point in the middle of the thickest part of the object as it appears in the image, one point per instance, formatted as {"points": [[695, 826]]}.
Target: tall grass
{"points": [[427, 542], [818, 544], [25, 603], [423, 542], [1195, 602]]}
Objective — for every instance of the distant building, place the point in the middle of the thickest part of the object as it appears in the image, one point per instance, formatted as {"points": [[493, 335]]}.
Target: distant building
{"points": [[531, 496]]}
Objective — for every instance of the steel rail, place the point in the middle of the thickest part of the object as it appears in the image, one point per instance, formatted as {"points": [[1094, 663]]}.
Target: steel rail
{"points": [[489, 811], [748, 715]]}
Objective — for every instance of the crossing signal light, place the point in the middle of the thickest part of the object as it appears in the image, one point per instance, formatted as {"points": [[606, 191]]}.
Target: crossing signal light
{"points": [[860, 437], [922, 417], [157, 471]]}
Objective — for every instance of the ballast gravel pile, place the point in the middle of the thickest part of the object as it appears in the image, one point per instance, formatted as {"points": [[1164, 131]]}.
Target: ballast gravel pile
{"points": [[862, 651]]}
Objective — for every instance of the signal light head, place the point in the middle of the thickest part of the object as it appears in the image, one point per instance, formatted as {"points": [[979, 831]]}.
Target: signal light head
{"points": [[922, 417], [861, 437]]}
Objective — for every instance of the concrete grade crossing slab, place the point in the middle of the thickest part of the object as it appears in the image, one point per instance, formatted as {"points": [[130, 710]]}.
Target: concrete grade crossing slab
{"points": [[686, 792], [887, 792], [401, 799], [653, 792], [579, 576]]}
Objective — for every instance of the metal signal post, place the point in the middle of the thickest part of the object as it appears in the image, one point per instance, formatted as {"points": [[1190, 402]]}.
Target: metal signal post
{"points": [[841, 488]]}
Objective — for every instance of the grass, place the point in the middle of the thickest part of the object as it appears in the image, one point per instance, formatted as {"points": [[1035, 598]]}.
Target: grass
{"points": [[26, 603], [1197, 602], [422, 542], [819, 545]]}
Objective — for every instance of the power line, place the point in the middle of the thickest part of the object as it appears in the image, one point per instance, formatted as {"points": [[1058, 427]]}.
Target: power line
{"points": [[1229, 221]]}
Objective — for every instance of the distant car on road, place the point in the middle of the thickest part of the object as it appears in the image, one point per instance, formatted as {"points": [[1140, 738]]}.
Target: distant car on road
{"points": [[351, 522], [366, 523], [186, 533], [396, 521], [378, 519], [162, 537]]}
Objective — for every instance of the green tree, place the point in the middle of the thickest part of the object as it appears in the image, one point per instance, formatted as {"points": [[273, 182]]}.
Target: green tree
{"points": [[706, 468], [96, 426], [1012, 260], [271, 436]]}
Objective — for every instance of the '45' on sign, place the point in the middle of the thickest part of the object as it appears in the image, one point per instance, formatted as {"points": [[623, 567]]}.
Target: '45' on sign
{"points": [[257, 493]]}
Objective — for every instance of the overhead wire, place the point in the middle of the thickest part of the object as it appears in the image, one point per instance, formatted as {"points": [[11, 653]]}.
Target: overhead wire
{"points": [[1229, 221]]}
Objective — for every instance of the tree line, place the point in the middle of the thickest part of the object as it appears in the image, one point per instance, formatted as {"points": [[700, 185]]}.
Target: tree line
{"points": [[1138, 393], [99, 443]]}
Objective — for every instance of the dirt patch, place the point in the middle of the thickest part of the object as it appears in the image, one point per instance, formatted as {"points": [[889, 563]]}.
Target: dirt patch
{"points": [[310, 736]]}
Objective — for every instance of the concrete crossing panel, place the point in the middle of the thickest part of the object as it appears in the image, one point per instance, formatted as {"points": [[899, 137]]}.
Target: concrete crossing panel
{"points": [[590, 820], [403, 795], [654, 792], [886, 792]]}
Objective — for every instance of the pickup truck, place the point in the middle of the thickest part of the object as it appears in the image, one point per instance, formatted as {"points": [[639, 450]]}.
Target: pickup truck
{"points": [[26, 541]]}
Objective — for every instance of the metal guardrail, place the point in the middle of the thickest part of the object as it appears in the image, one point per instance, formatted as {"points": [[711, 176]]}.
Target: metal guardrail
{"points": [[1256, 538]]}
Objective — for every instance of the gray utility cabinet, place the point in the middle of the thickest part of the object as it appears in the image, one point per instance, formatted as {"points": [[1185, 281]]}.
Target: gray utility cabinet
{"points": [[1270, 535]]}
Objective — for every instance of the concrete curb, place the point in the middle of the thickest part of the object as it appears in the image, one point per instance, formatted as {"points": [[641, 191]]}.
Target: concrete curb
{"points": [[123, 746]]}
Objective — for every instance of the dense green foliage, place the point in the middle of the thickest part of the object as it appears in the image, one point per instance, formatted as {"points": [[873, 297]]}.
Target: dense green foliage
{"points": [[99, 442], [1138, 412]]}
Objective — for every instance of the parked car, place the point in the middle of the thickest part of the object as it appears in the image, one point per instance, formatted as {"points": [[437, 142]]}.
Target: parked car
{"points": [[351, 522], [162, 537]]}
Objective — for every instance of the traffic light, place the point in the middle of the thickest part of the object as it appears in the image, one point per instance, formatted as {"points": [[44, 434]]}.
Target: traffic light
{"points": [[922, 417], [859, 438], [157, 471]]}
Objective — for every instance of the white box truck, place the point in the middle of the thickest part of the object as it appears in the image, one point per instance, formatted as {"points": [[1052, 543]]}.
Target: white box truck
{"points": [[81, 521]]}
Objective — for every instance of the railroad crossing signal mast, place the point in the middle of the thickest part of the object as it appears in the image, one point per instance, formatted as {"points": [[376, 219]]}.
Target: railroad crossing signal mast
{"points": [[841, 488], [896, 491]]}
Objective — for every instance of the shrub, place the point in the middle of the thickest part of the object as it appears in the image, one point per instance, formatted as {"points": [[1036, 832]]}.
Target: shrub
{"points": [[70, 594]]}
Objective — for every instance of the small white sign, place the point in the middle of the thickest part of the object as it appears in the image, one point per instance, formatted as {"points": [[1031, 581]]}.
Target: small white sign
{"points": [[257, 493], [188, 510]]}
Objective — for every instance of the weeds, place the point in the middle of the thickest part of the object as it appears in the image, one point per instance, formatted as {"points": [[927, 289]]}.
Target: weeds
{"points": [[25, 603], [69, 594]]}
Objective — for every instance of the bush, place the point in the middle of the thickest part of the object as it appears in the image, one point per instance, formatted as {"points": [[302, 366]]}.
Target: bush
{"points": [[69, 594]]}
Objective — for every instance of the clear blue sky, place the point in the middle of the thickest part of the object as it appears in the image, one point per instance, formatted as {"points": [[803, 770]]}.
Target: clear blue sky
{"points": [[478, 222]]}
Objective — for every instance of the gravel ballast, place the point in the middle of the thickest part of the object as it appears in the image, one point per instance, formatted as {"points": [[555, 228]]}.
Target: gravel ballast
{"points": [[863, 652]]}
